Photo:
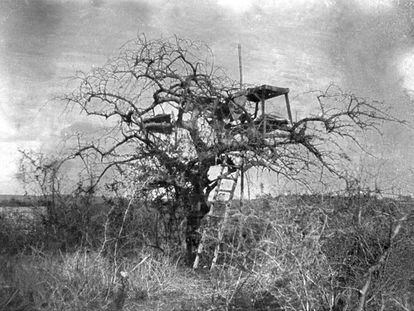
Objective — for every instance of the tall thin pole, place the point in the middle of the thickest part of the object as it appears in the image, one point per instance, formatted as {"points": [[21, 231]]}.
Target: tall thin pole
{"points": [[241, 225], [240, 66], [242, 157], [242, 180]]}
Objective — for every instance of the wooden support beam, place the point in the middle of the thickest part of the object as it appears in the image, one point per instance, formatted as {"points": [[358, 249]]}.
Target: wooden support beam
{"points": [[288, 108], [264, 115]]}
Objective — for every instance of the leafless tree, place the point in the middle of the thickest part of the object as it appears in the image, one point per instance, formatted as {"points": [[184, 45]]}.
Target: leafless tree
{"points": [[171, 114], [41, 174]]}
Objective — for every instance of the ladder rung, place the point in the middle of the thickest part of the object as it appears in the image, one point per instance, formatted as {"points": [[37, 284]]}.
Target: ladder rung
{"points": [[225, 190], [228, 178]]}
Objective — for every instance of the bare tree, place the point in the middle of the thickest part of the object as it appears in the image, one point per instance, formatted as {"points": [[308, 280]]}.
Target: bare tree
{"points": [[41, 174], [172, 115]]}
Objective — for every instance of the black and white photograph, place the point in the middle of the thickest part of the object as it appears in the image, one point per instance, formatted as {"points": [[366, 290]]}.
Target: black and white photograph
{"points": [[211, 155]]}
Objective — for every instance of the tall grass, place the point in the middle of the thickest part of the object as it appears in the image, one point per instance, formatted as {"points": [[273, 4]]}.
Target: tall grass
{"points": [[84, 280], [317, 253], [286, 253]]}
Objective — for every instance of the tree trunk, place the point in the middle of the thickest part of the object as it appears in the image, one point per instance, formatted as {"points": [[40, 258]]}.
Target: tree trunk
{"points": [[198, 209]]}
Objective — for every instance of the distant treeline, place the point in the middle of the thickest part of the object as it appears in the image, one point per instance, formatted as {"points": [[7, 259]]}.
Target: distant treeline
{"points": [[21, 200], [33, 200]]}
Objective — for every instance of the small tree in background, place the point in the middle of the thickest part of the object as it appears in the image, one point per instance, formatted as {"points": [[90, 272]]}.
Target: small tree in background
{"points": [[68, 207], [41, 174], [171, 114]]}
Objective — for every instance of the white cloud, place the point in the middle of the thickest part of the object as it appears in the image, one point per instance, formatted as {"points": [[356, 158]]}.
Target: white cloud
{"points": [[6, 129], [242, 6], [376, 5], [9, 158], [237, 6], [406, 69]]}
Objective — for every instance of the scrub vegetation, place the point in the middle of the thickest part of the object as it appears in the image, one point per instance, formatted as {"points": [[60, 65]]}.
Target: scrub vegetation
{"points": [[342, 252]]}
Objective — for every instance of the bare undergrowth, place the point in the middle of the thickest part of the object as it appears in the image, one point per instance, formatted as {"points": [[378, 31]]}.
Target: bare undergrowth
{"points": [[87, 281], [286, 253]]}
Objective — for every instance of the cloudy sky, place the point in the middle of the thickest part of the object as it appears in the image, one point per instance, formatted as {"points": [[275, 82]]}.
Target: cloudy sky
{"points": [[366, 46]]}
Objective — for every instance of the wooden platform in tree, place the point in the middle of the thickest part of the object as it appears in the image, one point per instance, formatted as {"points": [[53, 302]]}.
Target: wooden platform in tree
{"points": [[264, 92]]}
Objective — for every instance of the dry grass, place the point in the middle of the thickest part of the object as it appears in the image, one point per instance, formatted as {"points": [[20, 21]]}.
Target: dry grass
{"points": [[88, 281], [277, 254]]}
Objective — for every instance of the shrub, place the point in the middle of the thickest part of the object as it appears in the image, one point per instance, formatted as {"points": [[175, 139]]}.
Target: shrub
{"points": [[313, 253]]}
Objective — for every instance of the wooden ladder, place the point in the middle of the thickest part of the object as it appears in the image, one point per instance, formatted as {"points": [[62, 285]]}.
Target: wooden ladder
{"points": [[223, 195]]}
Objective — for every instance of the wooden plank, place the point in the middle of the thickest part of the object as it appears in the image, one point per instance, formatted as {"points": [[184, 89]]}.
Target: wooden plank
{"points": [[288, 108], [256, 94]]}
